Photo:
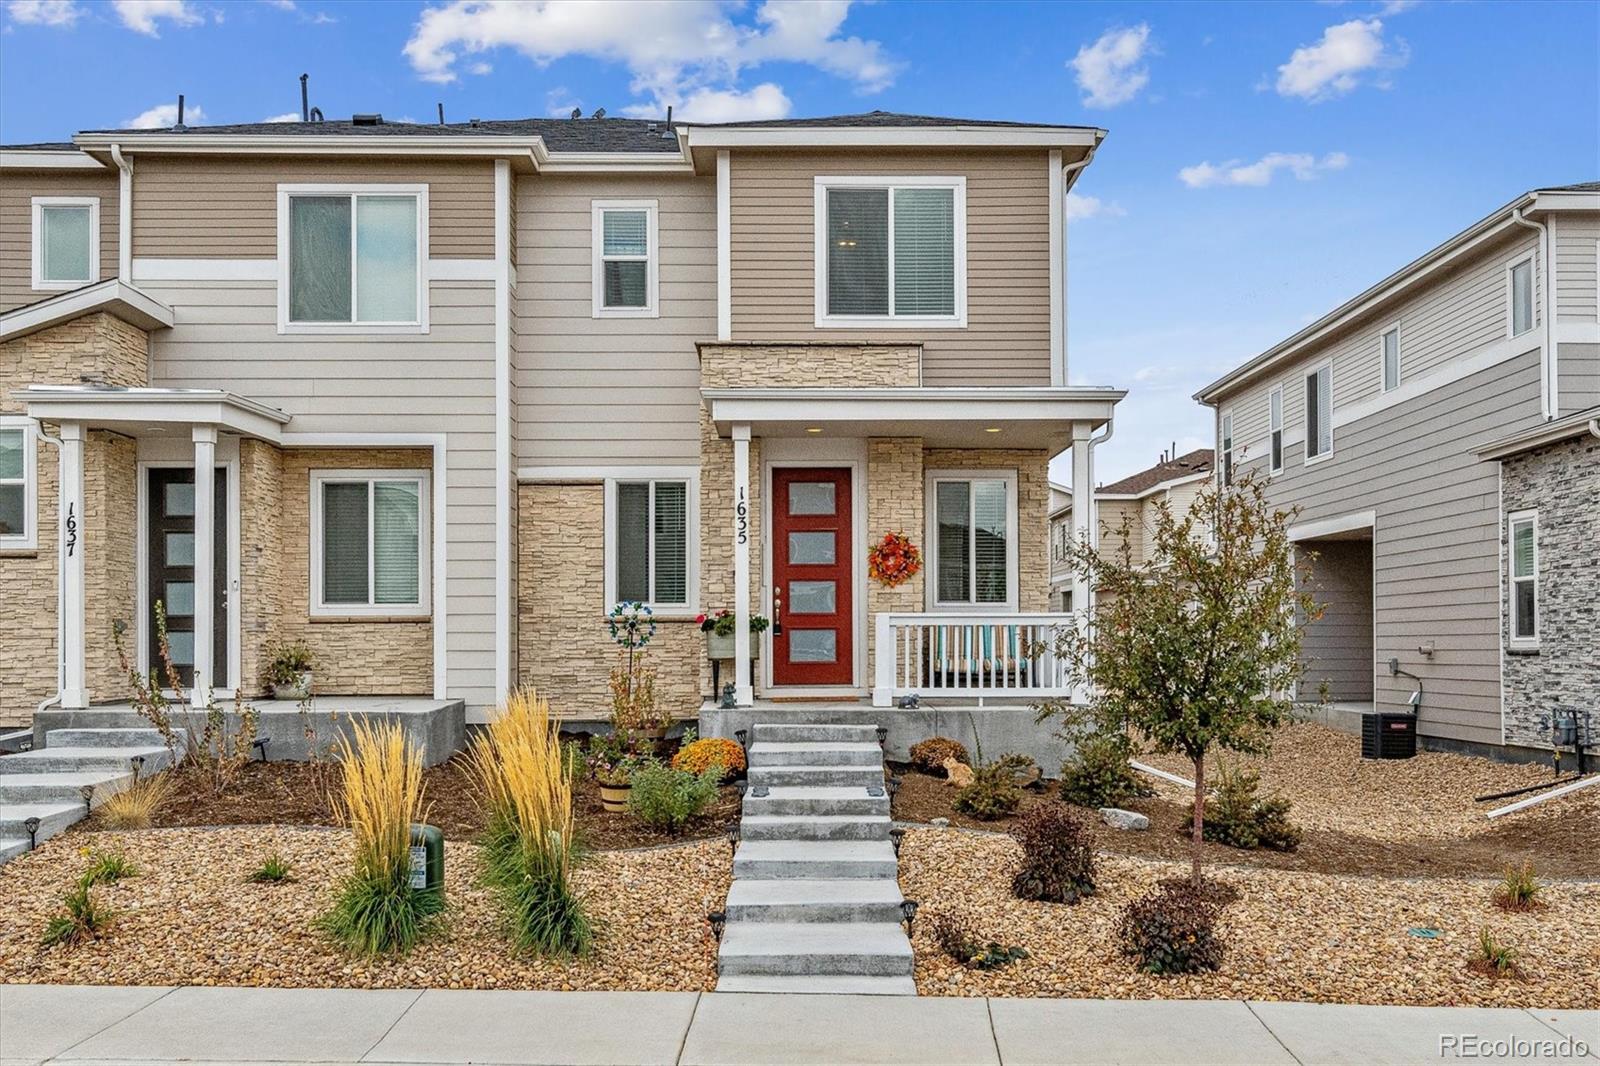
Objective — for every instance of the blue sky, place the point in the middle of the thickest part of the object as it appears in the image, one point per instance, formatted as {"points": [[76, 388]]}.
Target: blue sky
{"points": [[1265, 161]]}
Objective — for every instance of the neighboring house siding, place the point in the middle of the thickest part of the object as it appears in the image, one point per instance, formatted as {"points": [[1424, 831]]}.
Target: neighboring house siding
{"points": [[1336, 652], [1007, 339], [1577, 273], [17, 191], [1578, 376], [188, 207], [608, 391]]}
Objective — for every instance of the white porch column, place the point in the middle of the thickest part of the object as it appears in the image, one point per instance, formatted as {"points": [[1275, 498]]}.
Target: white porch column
{"points": [[1084, 519], [74, 686], [743, 693], [205, 539]]}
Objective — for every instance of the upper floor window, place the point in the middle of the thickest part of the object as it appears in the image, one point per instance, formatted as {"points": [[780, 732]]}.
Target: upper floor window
{"points": [[1226, 459], [1524, 576], [16, 482], [1275, 427], [1319, 412], [351, 256], [1521, 284], [651, 542], [369, 542], [624, 235], [974, 549], [1391, 358], [66, 241], [891, 251]]}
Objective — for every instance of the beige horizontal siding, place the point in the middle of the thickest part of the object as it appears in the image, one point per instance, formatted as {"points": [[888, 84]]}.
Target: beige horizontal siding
{"points": [[1578, 367], [609, 391], [1577, 271], [17, 191], [1336, 652], [1007, 339], [217, 207]]}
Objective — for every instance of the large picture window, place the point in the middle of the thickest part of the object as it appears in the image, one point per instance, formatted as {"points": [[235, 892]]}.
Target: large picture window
{"points": [[1523, 585], [66, 241], [17, 500], [369, 542], [891, 251], [352, 257], [973, 538], [651, 538]]}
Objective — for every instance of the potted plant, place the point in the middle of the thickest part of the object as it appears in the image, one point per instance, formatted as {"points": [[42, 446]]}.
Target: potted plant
{"points": [[288, 672], [612, 763], [718, 629]]}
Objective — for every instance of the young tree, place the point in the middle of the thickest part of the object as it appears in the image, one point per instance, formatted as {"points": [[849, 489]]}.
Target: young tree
{"points": [[1197, 647]]}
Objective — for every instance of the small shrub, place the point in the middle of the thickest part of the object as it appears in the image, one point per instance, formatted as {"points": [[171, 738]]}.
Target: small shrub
{"points": [[1057, 857], [81, 918], [929, 755], [698, 756], [956, 940], [667, 798], [1238, 817], [272, 871], [1172, 930], [995, 791], [135, 807], [107, 868], [1494, 958], [1519, 889], [1098, 774]]}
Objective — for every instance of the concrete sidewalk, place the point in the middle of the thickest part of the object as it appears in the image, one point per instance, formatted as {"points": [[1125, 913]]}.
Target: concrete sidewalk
{"points": [[87, 1025]]}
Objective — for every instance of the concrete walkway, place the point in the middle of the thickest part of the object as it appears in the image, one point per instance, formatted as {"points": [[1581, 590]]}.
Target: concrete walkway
{"points": [[90, 1025]]}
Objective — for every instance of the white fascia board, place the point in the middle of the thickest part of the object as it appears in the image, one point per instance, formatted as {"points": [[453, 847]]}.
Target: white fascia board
{"points": [[1573, 425], [1327, 527], [936, 405], [616, 163], [113, 294], [893, 136], [493, 147], [1569, 200], [46, 160], [200, 407]]}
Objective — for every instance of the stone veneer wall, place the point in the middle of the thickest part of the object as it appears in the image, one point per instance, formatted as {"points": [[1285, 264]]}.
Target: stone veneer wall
{"points": [[894, 505], [1033, 510], [356, 657], [564, 647], [103, 348], [1562, 483], [261, 586]]}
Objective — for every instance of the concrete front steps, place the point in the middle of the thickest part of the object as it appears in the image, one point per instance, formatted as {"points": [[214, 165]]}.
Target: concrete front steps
{"points": [[48, 783], [815, 904]]}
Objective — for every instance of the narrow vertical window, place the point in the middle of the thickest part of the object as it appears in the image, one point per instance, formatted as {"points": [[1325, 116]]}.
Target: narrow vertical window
{"points": [[625, 258], [1522, 297], [1391, 359], [1227, 448], [1275, 414], [1319, 413], [650, 543], [1524, 577]]}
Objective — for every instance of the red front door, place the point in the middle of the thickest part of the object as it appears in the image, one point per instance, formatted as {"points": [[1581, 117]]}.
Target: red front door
{"points": [[813, 620]]}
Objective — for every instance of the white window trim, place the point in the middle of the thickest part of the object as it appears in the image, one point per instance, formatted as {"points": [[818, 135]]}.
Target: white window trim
{"points": [[1399, 358], [421, 609], [690, 476], [39, 204], [28, 539], [419, 325], [931, 539], [1326, 364], [652, 308], [1227, 453], [1275, 455], [1511, 296], [823, 320], [1514, 519]]}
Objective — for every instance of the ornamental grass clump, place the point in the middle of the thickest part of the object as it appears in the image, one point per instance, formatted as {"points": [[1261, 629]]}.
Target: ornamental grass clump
{"points": [[524, 781], [377, 911], [135, 807], [1057, 857], [80, 919], [1519, 889]]}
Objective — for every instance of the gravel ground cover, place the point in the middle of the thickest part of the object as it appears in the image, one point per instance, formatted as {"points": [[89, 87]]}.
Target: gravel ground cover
{"points": [[1290, 936], [190, 918]]}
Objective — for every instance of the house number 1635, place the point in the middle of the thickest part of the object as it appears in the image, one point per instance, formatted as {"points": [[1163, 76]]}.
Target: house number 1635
{"points": [[741, 520]]}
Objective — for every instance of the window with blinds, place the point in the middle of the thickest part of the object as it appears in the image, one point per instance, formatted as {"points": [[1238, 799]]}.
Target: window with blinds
{"points": [[16, 483], [1523, 559], [354, 258], [1275, 429], [650, 538], [890, 251], [370, 553], [1319, 413], [625, 259], [972, 543]]}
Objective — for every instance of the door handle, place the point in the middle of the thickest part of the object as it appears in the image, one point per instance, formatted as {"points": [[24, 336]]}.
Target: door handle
{"points": [[777, 610]]}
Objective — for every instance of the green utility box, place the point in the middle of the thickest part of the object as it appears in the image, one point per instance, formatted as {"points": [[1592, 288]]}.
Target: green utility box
{"points": [[427, 858]]}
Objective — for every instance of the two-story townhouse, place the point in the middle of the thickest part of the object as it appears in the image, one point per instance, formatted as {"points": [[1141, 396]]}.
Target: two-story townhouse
{"points": [[1376, 421], [465, 386], [1173, 482]]}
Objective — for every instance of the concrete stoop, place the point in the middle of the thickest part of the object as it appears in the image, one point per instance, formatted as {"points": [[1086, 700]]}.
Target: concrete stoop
{"points": [[815, 904], [48, 783]]}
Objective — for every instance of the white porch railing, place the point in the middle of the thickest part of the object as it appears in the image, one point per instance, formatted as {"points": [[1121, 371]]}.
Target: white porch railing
{"points": [[970, 655]]}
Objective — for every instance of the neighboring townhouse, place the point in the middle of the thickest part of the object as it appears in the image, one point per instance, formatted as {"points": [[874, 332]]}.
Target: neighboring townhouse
{"points": [[463, 387], [1173, 482], [1375, 421]]}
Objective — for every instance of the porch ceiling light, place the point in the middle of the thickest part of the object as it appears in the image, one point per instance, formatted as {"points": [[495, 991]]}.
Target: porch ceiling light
{"points": [[813, 429], [991, 429]]}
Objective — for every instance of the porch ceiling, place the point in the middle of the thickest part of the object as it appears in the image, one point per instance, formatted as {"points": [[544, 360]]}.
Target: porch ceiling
{"points": [[949, 417], [152, 411]]}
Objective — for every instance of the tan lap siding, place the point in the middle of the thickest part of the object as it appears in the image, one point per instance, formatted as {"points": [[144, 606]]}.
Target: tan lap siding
{"points": [[215, 207], [16, 225], [1007, 339]]}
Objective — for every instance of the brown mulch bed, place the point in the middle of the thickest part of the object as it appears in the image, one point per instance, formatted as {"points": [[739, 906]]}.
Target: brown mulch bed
{"points": [[1290, 935], [296, 794], [1390, 818], [188, 917]]}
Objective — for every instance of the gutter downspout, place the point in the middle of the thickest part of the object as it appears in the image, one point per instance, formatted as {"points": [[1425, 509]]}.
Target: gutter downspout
{"points": [[61, 592], [1548, 374], [124, 215]]}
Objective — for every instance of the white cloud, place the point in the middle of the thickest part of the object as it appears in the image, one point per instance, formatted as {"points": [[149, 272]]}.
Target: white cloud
{"points": [[1397, 7], [1111, 71], [142, 16], [1338, 63], [164, 115], [1303, 165], [688, 53], [1080, 206], [44, 12], [763, 101], [480, 68], [287, 116]]}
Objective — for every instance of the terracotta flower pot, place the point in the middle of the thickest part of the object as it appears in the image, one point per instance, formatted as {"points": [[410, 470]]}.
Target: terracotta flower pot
{"points": [[614, 798]]}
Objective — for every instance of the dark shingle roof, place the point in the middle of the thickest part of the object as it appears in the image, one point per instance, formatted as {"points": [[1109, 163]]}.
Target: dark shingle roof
{"points": [[887, 120], [1582, 186], [1198, 461], [42, 146], [560, 134]]}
